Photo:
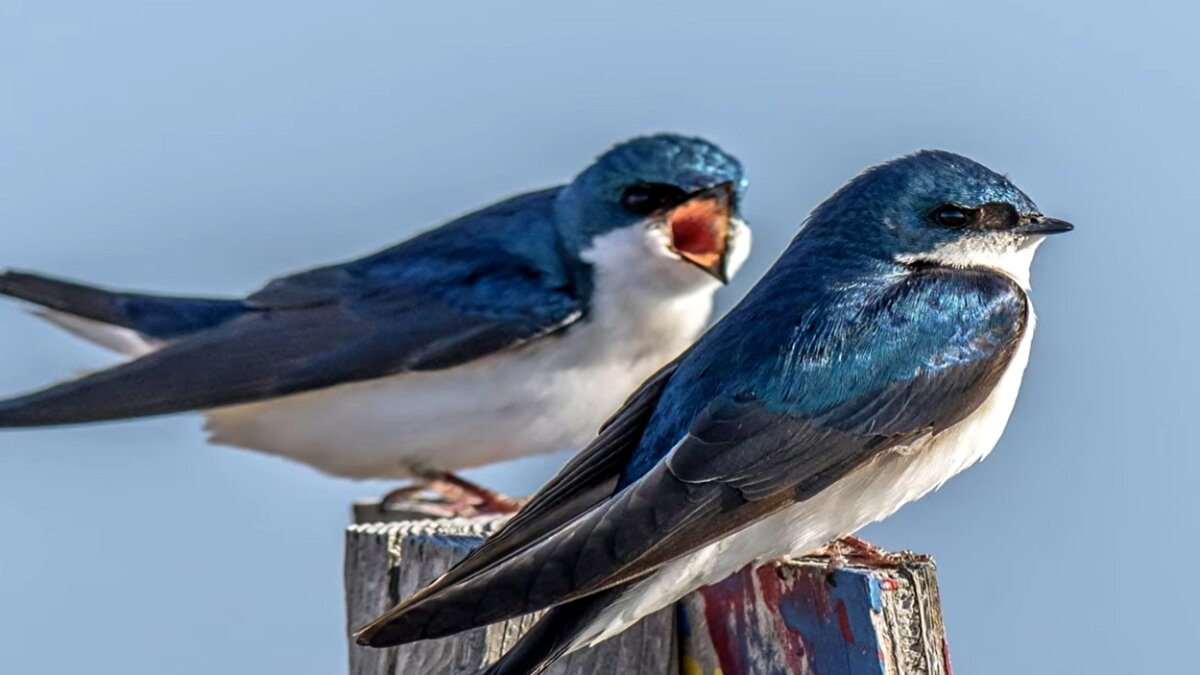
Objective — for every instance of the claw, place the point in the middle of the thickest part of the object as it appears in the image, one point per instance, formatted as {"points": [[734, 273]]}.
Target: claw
{"points": [[458, 497], [857, 550], [487, 501]]}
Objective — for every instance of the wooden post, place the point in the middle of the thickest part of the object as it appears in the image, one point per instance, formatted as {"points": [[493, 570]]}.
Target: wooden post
{"points": [[798, 616]]}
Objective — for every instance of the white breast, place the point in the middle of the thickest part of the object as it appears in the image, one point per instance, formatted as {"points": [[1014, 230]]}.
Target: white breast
{"points": [[870, 493], [547, 396]]}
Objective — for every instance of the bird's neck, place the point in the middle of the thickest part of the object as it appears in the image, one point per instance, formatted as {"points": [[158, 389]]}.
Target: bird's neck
{"points": [[823, 258], [1013, 258]]}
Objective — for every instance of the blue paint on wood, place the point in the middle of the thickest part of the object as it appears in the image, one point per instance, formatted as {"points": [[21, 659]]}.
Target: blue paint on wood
{"points": [[876, 589], [463, 543], [683, 623], [811, 621], [833, 615]]}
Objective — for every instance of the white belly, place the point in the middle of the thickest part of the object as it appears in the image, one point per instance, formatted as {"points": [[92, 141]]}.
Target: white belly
{"points": [[870, 493], [546, 396]]}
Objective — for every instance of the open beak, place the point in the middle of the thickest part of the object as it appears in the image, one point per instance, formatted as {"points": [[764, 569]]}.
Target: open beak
{"points": [[699, 229], [1040, 224]]}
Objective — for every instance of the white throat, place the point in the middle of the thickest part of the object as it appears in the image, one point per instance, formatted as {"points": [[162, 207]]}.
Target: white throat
{"points": [[638, 260], [1009, 255]]}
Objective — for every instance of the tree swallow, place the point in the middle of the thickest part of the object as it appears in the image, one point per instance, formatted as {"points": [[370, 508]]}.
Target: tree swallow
{"points": [[880, 356], [508, 332]]}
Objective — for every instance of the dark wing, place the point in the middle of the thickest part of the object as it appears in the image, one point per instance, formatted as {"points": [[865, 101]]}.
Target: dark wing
{"points": [[318, 329], [588, 479], [745, 457]]}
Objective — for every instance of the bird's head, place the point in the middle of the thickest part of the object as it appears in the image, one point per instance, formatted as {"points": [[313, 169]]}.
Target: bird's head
{"points": [[669, 198], [941, 208]]}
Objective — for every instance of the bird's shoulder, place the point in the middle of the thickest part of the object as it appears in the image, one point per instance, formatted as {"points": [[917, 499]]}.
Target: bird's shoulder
{"points": [[843, 357], [506, 257], [863, 335]]}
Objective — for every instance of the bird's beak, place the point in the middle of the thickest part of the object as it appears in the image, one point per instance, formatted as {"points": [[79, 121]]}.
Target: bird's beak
{"points": [[1040, 224], [699, 229]]}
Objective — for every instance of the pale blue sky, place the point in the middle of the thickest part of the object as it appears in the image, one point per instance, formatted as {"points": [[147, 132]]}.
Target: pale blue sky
{"points": [[205, 146]]}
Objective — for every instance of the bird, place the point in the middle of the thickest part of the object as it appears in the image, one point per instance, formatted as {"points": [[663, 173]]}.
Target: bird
{"points": [[507, 332], [880, 356]]}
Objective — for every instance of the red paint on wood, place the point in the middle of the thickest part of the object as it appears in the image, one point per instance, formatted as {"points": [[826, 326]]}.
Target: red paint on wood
{"points": [[721, 601], [797, 619], [844, 622], [772, 586]]}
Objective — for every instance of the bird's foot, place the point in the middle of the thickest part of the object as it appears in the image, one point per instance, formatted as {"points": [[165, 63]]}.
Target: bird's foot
{"points": [[852, 549], [459, 498], [485, 500], [416, 502]]}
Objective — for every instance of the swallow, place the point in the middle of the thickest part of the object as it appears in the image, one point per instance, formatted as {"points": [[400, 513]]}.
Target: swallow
{"points": [[510, 331]]}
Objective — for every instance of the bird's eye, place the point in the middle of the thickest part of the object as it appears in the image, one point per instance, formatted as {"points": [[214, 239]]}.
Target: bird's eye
{"points": [[949, 215], [646, 198]]}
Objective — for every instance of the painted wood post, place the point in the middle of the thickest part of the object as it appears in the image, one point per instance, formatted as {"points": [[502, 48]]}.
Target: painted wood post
{"points": [[800, 616], [795, 617]]}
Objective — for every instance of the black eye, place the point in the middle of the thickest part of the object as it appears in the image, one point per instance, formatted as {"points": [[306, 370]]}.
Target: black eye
{"points": [[949, 215], [646, 198]]}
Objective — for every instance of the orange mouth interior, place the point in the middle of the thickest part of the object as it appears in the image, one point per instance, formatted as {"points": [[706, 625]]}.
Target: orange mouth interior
{"points": [[699, 229]]}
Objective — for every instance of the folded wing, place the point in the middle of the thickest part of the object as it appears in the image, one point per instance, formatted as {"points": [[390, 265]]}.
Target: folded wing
{"points": [[316, 330]]}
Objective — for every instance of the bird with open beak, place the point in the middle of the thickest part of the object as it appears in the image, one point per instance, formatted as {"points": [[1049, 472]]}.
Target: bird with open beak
{"points": [[510, 331]]}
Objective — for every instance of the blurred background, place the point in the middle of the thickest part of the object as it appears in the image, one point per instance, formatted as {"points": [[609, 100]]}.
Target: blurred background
{"points": [[204, 147]]}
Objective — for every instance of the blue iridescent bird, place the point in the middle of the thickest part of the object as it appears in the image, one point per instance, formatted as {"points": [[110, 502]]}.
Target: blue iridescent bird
{"points": [[880, 356], [508, 332]]}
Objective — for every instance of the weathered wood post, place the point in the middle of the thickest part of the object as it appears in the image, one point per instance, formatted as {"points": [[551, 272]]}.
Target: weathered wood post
{"points": [[798, 616]]}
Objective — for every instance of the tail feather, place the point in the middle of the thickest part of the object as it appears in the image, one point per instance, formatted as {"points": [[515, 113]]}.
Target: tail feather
{"points": [[112, 337], [155, 316], [65, 296]]}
